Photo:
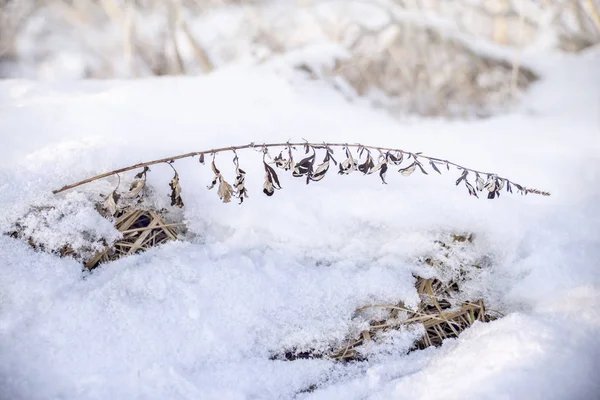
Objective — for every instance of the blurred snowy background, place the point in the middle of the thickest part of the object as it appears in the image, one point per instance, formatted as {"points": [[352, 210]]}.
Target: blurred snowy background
{"points": [[449, 58]]}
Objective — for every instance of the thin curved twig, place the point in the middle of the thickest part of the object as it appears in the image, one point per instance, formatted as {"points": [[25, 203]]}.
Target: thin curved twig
{"points": [[290, 145]]}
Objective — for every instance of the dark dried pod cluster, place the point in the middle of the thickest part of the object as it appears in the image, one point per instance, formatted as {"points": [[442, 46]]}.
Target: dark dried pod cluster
{"points": [[176, 191], [271, 180], [240, 181]]}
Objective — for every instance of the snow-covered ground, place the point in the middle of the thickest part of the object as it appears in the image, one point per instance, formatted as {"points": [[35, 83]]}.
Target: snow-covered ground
{"points": [[200, 318]]}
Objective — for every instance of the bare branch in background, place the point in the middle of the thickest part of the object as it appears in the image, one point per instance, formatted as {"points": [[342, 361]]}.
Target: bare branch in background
{"points": [[201, 55], [14, 16], [173, 17]]}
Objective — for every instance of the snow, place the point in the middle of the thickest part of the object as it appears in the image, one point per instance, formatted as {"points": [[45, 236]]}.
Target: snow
{"points": [[202, 317]]}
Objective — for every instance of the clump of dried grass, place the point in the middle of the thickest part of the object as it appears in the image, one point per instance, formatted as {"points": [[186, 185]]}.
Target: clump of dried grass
{"points": [[420, 70], [20, 231], [141, 230], [439, 319], [440, 323], [440, 311], [137, 227], [67, 228]]}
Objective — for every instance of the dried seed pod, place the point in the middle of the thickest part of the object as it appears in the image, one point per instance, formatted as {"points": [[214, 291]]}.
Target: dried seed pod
{"points": [[349, 165], [240, 184], [225, 190], [135, 189], [408, 170], [110, 204], [176, 191], [271, 180]]}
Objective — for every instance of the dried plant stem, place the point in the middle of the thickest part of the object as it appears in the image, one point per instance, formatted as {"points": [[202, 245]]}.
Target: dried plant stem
{"points": [[201, 55], [516, 65], [147, 228], [174, 21], [594, 13], [269, 145]]}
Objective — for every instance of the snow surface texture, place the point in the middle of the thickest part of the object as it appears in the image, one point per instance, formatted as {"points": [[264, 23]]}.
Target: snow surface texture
{"points": [[200, 318]]}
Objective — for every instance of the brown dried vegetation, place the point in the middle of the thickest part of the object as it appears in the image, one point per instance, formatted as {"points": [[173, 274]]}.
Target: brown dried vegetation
{"points": [[438, 311]]}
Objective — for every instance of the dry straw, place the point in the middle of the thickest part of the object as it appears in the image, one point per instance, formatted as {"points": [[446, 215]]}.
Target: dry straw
{"points": [[440, 311], [439, 320], [141, 229], [439, 325]]}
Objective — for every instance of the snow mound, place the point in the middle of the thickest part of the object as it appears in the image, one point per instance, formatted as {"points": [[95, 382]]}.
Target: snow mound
{"points": [[201, 318]]}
